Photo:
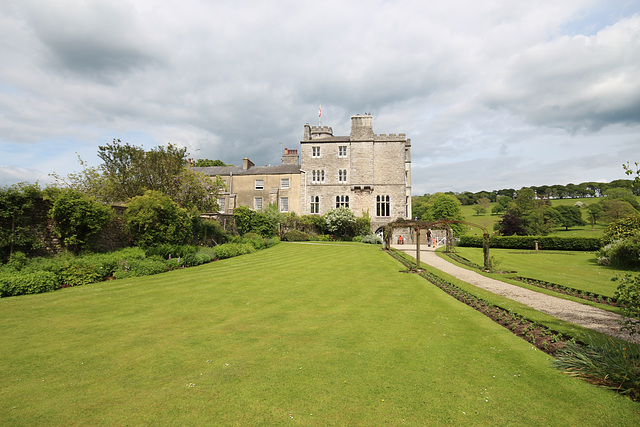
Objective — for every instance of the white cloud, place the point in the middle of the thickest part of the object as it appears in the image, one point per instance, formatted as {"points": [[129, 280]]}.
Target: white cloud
{"points": [[514, 85]]}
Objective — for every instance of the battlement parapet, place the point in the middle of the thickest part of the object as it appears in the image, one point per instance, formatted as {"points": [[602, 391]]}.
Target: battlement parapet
{"points": [[391, 137], [322, 129]]}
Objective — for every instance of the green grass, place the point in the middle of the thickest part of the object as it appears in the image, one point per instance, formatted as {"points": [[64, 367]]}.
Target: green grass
{"points": [[578, 270], [305, 334]]}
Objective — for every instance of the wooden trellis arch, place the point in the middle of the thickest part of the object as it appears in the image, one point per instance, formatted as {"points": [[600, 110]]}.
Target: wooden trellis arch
{"points": [[417, 225]]}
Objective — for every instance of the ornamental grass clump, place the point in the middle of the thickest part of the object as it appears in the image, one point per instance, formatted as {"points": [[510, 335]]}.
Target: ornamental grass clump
{"points": [[608, 362]]}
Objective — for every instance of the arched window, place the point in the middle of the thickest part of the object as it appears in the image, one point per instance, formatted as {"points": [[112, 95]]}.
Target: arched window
{"points": [[315, 204]]}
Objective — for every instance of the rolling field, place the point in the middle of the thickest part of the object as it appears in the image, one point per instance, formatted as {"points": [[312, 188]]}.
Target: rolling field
{"points": [[305, 334], [487, 220]]}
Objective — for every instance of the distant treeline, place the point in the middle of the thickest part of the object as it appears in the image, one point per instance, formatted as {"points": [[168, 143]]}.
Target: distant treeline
{"points": [[569, 191]]}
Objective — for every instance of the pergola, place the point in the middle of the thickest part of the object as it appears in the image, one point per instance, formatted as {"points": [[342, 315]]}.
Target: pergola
{"points": [[418, 225]]}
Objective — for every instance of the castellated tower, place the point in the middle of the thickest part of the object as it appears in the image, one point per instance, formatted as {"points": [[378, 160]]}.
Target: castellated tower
{"points": [[361, 128], [368, 173]]}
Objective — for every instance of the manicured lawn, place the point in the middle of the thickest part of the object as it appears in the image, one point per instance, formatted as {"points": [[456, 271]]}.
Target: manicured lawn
{"points": [[304, 334], [578, 270]]}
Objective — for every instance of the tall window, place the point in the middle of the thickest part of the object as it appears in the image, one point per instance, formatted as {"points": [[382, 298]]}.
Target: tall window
{"points": [[284, 204], [342, 151], [259, 184], [315, 151], [383, 206], [221, 205], [257, 203], [315, 204], [342, 175], [284, 183], [342, 201], [317, 176]]}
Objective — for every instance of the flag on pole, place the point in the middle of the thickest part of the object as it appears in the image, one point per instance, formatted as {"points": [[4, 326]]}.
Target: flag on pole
{"points": [[320, 111]]}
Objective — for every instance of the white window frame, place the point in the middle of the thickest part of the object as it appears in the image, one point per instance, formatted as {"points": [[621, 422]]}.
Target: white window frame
{"points": [[342, 151], [257, 203], [259, 184], [317, 176], [284, 183], [221, 205], [342, 175], [284, 204], [315, 151], [315, 204]]}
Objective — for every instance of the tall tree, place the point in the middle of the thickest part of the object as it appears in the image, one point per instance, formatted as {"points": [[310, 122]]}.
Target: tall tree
{"points": [[131, 170], [445, 207], [570, 216]]}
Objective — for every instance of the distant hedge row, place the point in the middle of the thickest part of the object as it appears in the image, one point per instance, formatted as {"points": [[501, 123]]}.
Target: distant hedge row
{"points": [[528, 242]]}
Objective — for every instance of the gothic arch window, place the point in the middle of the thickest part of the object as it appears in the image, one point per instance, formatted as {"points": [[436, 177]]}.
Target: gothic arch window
{"points": [[315, 204]]}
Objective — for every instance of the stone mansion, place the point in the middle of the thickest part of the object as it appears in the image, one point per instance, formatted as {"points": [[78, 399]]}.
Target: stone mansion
{"points": [[364, 172]]}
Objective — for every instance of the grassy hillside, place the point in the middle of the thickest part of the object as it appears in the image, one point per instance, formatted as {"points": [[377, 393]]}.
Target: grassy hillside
{"points": [[487, 220], [299, 333]]}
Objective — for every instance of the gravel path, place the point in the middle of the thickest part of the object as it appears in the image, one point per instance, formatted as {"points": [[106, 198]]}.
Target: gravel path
{"points": [[570, 311]]}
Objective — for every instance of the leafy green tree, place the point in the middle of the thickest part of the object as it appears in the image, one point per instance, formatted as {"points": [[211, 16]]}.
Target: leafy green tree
{"points": [[536, 216], [130, 170], [243, 217], [196, 192], [570, 216], [154, 218], [594, 213], [615, 209], [419, 205], [628, 295], [624, 194], [482, 205], [621, 229], [90, 181], [208, 162], [445, 207], [267, 223], [20, 218], [341, 222], [78, 217]]}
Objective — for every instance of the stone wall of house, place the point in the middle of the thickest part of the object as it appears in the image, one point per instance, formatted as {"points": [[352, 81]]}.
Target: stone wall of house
{"points": [[375, 165]]}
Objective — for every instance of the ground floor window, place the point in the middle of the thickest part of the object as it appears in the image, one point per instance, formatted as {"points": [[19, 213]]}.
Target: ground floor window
{"points": [[284, 204], [383, 206], [315, 204], [257, 203], [221, 205], [342, 201]]}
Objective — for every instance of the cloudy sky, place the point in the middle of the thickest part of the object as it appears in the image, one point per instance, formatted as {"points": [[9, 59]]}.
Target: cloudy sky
{"points": [[494, 94]]}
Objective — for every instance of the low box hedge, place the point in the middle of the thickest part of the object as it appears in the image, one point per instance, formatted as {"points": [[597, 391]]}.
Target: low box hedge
{"points": [[528, 242], [28, 283]]}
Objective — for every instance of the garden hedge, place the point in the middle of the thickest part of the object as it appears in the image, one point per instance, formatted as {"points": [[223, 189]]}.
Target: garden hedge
{"points": [[528, 242]]}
